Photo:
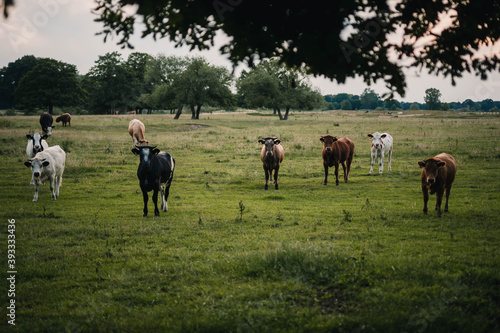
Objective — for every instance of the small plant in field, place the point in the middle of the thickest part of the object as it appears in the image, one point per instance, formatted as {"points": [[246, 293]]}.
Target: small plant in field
{"points": [[66, 145], [347, 216], [241, 209]]}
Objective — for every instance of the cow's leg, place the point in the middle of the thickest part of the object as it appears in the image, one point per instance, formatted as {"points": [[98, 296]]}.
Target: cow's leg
{"points": [[276, 178], [425, 193], [439, 199], [348, 163], [372, 162], [35, 197], [390, 159], [267, 172], [346, 171], [155, 201], [52, 187], [381, 163], [447, 198], [145, 199], [326, 173], [337, 174], [165, 195]]}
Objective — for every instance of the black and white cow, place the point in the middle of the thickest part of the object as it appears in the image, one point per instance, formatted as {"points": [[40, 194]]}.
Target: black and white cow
{"points": [[46, 121], [36, 144], [155, 173], [48, 165]]}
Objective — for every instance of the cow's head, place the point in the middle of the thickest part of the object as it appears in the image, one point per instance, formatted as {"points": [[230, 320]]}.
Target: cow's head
{"points": [[37, 141], [145, 153], [431, 167], [328, 141], [47, 130], [142, 143], [269, 143], [377, 140], [36, 166]]}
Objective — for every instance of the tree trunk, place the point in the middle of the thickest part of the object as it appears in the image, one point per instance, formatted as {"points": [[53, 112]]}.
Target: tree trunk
{"points": [[179, 111], [286, 114], [51, 108], [193, 112], [279, 113], [198, 109]]}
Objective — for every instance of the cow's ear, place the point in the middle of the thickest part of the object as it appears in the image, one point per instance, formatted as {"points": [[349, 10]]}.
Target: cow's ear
{"points": [[441, 164], [45, 163], [370, 136], [28, 136], [421, 164], [45, 136], [383, 136], [277, 142], [262, 141], [335, 138], [28, 163], [156, 151], [322, 139], [136, 151]]}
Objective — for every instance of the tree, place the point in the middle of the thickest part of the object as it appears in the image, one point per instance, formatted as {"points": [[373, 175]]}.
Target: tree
{"points": [[346, 105], [202, 84], [432, 99], [50, 83], [369, 99], [10, 77], [358, 35], [110, 84], [414, 107]]}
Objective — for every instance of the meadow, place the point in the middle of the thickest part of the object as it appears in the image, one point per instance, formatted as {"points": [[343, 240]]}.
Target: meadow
{"points": [[231, 257]]}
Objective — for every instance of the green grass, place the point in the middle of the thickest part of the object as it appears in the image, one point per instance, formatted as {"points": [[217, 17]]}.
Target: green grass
{"points": [[360, 257]]}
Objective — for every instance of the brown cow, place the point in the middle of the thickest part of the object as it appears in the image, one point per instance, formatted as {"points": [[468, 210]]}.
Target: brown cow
{"points": [[438, 174], [337, 151], [65, 118], [271, 155], [136, 130]]}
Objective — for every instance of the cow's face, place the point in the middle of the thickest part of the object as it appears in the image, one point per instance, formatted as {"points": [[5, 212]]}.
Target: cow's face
{"points": [[37, 142], [36, 166], [328, 141], [431, 167], [377, 140], [145, 153], [48, 130], [269, 143]]}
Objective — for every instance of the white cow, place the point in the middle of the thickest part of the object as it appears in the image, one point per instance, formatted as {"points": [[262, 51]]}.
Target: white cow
{"points": [[381, 145], [48, 165], [36, 143]]}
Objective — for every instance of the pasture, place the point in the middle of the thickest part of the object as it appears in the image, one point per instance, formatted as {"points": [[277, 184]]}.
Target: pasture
{"points": [[231, 257]]}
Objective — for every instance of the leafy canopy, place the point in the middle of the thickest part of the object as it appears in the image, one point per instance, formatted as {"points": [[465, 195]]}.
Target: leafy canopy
{"points": [[374, 39]]}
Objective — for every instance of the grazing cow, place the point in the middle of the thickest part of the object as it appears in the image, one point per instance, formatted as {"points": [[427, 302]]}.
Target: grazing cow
{"points": [[337, 151], [136, 130], [132, 112], [438, 174], [48, 165], [155, 172], [271, 155], [65, 118], [381, 145], [36, 143], [46, 121]]}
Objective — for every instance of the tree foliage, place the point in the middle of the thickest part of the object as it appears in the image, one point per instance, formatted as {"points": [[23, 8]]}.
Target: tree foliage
{"points": [[10, 76], [49, 83], [337, 39], [433, 99]]}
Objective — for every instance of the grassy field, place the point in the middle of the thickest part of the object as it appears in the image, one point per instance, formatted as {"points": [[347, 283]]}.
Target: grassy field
{"points": [[231, 257]]}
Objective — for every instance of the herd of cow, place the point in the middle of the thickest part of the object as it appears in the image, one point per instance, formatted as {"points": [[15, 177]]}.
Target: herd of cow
{"points": [[156, 168]]}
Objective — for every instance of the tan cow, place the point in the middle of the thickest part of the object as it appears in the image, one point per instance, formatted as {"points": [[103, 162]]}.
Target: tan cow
{"points": [[438, 174], [271, 155], [65, 118], [136, 130]]}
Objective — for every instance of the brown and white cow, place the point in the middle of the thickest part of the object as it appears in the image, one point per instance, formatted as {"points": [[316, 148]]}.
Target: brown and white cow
{"points": [[438, 174], [271, 155], [65, 118], [337, 151], [136, 130]]}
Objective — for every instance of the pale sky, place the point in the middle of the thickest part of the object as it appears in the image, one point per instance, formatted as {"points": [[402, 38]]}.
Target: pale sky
{"points": [[65, 30]]}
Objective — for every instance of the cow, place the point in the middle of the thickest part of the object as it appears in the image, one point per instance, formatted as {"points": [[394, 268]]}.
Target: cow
{"points": [[136, 130], [47, 165], [155, 173], [271, 155], [438, 174], [36, 143], [46, 121], [65, 118], [337, 151], [381, 145]]}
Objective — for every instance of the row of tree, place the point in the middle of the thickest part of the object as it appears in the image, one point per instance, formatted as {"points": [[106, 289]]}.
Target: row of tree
{"points": [[369, 100], [145, 83]]}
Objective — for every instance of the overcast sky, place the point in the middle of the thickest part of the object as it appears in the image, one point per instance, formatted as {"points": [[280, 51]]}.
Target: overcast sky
{"points": [[65, 30]]}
